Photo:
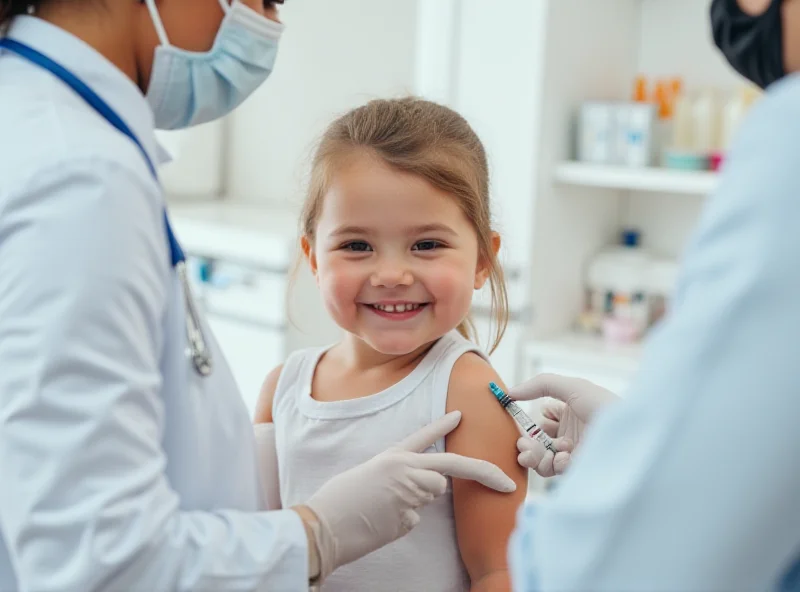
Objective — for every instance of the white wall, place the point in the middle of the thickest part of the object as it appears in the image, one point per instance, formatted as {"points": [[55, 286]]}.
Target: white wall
{"points": [[694, 56], [334, 55]]}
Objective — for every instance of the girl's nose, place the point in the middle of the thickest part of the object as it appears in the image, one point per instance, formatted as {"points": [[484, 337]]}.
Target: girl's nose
{"points": [[391, 274]]}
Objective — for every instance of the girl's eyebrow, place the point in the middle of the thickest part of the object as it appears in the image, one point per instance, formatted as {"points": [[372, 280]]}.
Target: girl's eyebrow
{"points": [[438, 227], [349, 230], [425, 228]]}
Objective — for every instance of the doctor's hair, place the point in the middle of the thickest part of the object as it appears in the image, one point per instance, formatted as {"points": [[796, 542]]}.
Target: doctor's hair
{"points": [[11, 8], [430, 141]]}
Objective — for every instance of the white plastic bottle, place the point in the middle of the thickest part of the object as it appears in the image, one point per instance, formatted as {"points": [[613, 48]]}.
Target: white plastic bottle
{"points": [[706, 116], [682, 132]]}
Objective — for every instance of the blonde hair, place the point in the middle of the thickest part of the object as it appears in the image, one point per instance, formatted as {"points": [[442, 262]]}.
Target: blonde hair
{"points": [[428, 140]]}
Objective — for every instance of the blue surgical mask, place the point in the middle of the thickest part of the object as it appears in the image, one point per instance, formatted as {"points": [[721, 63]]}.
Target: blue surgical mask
{"points": [[189, 88]]}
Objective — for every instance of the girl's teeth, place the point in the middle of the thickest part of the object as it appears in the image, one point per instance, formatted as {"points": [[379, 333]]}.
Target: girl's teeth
{"points": [[397, 307]]}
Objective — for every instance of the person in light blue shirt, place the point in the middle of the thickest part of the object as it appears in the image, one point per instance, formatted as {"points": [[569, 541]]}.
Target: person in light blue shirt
{"points": [[127, 457], [691, 482]]}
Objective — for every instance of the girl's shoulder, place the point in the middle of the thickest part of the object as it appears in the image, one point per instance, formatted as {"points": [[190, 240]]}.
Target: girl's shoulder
{"points": [[298, 368]]}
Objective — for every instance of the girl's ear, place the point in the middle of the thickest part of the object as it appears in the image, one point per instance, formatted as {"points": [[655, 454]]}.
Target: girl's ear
{"points": [[309, 254], [484, 268]]}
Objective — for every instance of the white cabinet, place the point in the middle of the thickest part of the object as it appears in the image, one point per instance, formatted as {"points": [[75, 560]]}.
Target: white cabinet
{"points": [[252, 350], [245, 307]]}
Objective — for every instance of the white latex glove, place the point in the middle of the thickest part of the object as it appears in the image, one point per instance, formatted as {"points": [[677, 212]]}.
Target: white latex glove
{"points": [[375, 503], [267, 459], [564, 419]]}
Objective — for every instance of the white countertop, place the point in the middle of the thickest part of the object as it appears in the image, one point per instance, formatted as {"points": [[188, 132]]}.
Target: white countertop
{"points": [[261, 235]]}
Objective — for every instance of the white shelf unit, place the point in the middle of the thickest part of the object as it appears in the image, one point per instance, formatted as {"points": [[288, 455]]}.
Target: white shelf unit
{"points": [[593, 50], [519, 73], [650, 179]]}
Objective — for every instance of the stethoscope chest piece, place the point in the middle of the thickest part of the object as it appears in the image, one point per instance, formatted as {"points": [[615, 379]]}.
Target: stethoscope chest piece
{"points": [[197, 348]]}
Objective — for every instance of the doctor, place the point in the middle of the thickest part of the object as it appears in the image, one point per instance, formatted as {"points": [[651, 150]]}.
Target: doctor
{"points": [[691, 483], [127, 458]]}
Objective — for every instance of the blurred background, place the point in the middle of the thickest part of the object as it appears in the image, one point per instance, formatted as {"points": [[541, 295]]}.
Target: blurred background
{"points": [[605, 122]]}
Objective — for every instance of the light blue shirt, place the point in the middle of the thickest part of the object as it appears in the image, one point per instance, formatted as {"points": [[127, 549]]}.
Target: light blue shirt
{"points": [[121, 468], [692, 482]]}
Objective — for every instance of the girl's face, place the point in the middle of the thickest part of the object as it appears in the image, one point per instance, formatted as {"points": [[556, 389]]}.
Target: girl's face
{"points": [[395, 258]]}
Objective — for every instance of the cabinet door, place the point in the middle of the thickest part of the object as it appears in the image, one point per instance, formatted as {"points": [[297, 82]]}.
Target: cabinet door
{"points": [[251, 350]]}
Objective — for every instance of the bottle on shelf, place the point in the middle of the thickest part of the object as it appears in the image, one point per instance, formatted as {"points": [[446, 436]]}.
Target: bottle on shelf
{"points": [[640, 90], [627, 289], [705, 114], [661, 124], [682, 137], [676, 87], [638, 128], [663, 98]]}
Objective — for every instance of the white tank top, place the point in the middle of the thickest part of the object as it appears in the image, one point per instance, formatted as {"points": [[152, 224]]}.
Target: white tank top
{"points": [[318, 440]]}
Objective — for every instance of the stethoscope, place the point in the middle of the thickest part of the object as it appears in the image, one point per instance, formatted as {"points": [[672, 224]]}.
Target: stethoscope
{"points": [[199, 353]]}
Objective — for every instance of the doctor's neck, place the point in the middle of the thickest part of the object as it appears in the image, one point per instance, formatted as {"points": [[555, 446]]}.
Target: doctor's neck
{"points": [[120, 31]]}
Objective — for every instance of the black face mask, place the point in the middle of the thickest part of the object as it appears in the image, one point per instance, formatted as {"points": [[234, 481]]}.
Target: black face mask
{"points": [[753, 45]]}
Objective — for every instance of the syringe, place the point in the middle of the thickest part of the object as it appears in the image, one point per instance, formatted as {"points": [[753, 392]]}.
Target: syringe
{"points": [[522, 418]]}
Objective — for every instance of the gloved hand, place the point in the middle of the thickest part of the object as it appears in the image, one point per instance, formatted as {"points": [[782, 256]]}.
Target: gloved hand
{"points": [[375, 503], [564, 419]]}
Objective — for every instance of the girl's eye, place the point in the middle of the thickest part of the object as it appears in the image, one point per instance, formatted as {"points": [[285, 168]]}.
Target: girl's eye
{"points": [[427, 245], [357, 247]]}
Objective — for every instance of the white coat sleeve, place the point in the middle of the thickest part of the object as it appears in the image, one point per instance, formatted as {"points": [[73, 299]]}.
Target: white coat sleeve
{"points": [[691, 482], [85, 504], [268, 473]]}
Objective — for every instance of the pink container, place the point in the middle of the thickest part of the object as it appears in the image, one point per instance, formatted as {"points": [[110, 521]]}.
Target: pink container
{"points": [[619, 331]]}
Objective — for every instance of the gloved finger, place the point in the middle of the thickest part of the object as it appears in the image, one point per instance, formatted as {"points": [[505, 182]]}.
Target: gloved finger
{"points": [[546, 468], [561, 462], [431, 433], [563, 444], [553, 410], [550, 427], [531, 452], [462, 467], [430, 482], [409, 520], [543, 385], [528, 444], [533, 455]]}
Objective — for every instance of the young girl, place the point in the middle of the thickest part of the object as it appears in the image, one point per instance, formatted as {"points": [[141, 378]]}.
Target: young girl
{"points": [[397, 232]]}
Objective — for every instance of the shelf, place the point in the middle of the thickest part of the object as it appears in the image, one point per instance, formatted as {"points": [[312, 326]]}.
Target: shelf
{"points": [[636, 179]]}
